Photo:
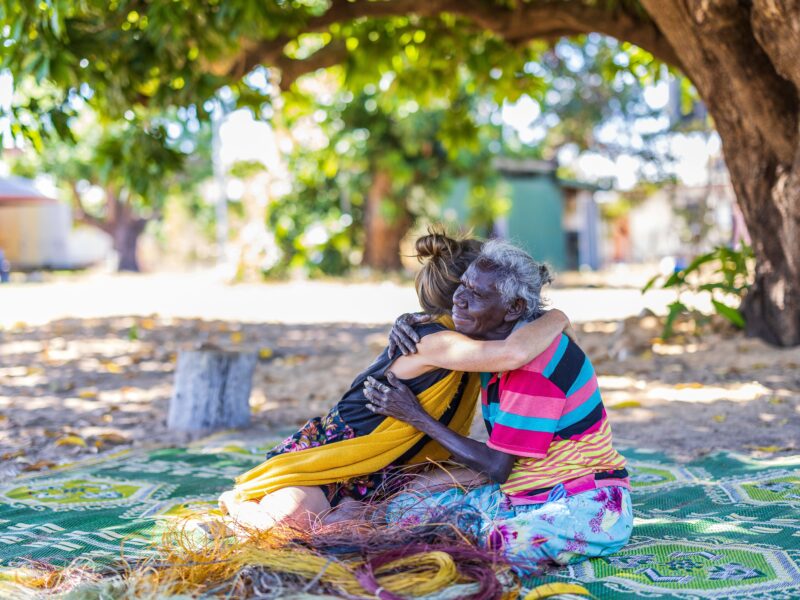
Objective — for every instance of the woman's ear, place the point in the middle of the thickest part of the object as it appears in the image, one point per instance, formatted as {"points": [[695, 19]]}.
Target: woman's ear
{"points": [[515, 312]]}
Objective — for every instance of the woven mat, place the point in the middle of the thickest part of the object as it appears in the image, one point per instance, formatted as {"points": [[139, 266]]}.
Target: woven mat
{"points": [[726, 526]]}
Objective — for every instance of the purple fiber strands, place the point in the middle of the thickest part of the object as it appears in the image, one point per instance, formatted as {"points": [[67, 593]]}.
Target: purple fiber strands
{"points": [[367, 580]]}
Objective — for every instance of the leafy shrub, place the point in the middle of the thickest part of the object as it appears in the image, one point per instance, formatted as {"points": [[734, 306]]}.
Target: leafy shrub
{"points": [[723, 273]]}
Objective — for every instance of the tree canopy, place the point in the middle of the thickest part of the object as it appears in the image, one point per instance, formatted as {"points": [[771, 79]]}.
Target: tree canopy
{"points": [[124, 57]]}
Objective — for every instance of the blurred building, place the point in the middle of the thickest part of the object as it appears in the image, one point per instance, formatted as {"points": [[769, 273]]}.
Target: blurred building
{"points": [[36, 231], [555, 220], [679, 221], [34, 228]]}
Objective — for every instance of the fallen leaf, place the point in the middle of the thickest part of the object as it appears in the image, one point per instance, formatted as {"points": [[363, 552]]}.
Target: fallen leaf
{"points": [[113, 438], [237, 337], [770, 449], [12, 455], [106, 418], [295, 359], [776, 400], [688, 386], [720, 418], [112, 367], [549, 590], [626, 404], [87, 394], [147, 324], [265, 353], [71, 440], [39, 465]]}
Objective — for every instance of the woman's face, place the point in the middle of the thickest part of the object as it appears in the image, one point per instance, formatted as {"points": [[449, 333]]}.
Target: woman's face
{"points": [[478, 309]]}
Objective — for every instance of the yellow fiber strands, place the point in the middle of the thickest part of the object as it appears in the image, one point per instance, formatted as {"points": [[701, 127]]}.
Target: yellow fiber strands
{"points": [[367, 454], [548, 590], [224, 568], [188, 568]]}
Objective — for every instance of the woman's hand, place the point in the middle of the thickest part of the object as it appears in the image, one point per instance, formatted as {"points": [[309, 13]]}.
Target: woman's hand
{"points": [[569, 331], [402, 337], [394, 400]]}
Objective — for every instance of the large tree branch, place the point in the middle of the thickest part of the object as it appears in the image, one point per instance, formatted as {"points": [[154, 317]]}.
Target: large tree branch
{"points": [[735, 77], [333, 54], [84, 216], [776, 24], [525, 22]]}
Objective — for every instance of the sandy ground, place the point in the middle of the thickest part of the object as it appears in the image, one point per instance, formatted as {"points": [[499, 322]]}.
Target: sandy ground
{"points": [[99, 381]]}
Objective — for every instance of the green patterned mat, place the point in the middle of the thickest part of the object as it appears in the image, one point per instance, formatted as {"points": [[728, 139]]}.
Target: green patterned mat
{"points": [[725, 526]]}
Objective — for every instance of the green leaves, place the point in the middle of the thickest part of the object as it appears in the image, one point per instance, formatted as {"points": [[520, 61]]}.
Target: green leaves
{"points": [[723, 273], [732, 314]]}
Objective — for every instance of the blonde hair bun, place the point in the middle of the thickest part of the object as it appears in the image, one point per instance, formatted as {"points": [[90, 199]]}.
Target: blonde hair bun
{"points": [[444, 259]]}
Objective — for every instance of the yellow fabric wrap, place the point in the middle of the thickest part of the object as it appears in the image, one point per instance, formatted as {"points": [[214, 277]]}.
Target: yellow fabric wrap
{"points": [[364, 455]]}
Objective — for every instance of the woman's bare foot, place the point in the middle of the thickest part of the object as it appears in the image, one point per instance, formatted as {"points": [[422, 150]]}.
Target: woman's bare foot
{"points": [[226, 500], [348, 509], [297, 507]]}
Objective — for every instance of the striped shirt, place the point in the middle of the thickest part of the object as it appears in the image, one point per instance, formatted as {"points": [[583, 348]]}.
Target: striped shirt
{"points": [[550, 414]]}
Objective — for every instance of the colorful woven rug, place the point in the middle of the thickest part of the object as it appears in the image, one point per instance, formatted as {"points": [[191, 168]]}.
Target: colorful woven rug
{"points": [[726, 526]]}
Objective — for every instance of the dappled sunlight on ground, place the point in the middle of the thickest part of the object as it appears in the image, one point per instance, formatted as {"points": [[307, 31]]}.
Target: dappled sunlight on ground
{"points": [[74, 387]]}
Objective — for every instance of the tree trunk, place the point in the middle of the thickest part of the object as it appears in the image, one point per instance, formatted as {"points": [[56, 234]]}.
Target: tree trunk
{"points": [[212, 391], [736, 55], [386, 222], [120, 223], [772, 306], [126, 232]]}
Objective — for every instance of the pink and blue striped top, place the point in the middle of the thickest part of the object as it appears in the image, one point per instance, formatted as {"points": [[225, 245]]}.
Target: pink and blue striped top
{"points": [[550, 414]]}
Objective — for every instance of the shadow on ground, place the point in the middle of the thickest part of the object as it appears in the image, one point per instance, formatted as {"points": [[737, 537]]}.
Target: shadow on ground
{"points": [[77, 387]]}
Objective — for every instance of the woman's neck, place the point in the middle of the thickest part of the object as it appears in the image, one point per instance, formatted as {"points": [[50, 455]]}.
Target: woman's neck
{"points": [[501, 332]]}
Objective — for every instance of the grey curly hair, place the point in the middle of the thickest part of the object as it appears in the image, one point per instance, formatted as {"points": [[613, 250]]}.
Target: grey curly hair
{"points": [[518, 275]]}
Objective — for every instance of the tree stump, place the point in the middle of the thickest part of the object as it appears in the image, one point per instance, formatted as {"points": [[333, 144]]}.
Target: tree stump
{"points": [[212, 390]]}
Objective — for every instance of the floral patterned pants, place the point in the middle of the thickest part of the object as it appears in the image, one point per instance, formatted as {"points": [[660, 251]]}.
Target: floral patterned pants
{"points": [[571, 529]]}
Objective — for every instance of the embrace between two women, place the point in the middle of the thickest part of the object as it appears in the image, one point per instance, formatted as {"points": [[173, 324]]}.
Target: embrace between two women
{"points": [[547, 485]]}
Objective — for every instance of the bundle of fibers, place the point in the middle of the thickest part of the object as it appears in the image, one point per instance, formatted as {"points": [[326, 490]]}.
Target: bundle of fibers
{"points": [[284, 564], [283, 561]]}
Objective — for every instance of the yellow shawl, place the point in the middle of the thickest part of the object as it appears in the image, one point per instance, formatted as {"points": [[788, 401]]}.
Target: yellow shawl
{"points": [[364, 455]]}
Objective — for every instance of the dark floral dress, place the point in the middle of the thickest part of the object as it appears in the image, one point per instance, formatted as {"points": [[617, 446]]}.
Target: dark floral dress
{"points": [[325, 430], [350, 418]]}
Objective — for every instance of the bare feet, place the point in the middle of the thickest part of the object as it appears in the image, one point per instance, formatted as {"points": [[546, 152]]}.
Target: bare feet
{"points": [[347, 510], [226, 500]]}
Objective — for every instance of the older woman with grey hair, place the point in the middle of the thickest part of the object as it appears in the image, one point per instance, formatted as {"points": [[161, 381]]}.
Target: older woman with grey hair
{"points": [[547, 486]]}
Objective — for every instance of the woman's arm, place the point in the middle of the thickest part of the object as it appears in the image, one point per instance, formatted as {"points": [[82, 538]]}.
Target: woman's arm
{"points": [[457, 352], [398, 401]]}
